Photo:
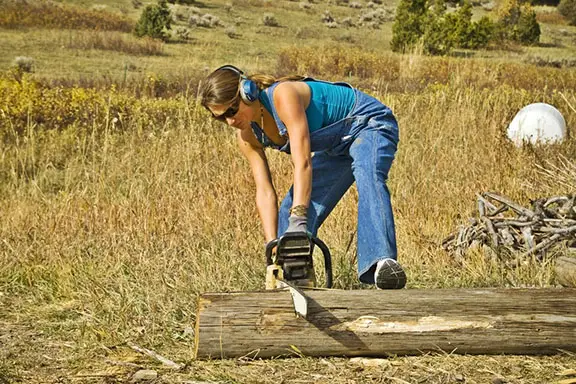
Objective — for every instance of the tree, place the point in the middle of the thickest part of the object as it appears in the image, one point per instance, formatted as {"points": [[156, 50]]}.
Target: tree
{"points": [[517, 22], [439, 32], [482, 33], [436, 39], [153, 21], [459, 24], [408, 25], [528, 30], [468, 34]]}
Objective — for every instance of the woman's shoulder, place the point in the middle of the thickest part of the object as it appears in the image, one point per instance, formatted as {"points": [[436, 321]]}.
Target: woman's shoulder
{"points": [[289, 89]]}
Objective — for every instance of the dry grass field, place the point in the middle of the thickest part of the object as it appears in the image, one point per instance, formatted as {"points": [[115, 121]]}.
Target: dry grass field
{"points": [[121, 201]]}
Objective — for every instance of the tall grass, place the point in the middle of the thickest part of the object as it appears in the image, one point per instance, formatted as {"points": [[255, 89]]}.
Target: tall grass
{"points": [[113, 41], [127, 215], [414, 72]]}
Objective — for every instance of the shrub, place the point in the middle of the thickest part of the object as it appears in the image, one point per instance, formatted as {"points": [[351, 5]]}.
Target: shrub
{"points": [[327, 17], [567, 8], [206, 21], [377, 16], [24, 64], [153, 21], [231, 33], [183, 34], [270, 20], [347, 22]]}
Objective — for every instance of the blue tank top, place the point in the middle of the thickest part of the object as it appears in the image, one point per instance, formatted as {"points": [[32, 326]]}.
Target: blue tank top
{"points": [[329, 103]]}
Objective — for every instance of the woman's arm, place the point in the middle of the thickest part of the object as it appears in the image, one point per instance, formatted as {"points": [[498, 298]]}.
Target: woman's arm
{"points": [[291, 100], [266, 198]]}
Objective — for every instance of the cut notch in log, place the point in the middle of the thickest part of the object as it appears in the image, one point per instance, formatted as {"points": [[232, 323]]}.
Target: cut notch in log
{"points": [[383, 323]]}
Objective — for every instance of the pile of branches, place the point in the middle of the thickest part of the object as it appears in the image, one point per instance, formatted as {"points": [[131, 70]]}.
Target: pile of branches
{"points": [[511, 229]]}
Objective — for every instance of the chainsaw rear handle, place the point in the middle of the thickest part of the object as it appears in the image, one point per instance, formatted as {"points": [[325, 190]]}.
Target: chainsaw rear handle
{"points": [[325, 251]]}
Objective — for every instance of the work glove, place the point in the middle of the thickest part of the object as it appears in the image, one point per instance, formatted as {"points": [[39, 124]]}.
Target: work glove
{"points": [[297, 224]]}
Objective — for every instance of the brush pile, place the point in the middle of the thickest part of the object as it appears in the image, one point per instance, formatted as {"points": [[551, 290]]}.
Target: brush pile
{"points": [[514, 232]]}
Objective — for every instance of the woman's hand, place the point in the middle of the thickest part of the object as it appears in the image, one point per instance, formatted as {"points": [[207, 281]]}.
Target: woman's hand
{"points": [[298, 220], [297, 224]]}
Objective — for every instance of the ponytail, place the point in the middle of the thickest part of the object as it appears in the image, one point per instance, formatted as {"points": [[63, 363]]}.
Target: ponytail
{"points": [[264, 81]]}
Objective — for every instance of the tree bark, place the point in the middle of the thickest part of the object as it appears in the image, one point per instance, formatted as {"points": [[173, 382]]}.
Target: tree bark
{"points": [[382, 323], [565, 269]]}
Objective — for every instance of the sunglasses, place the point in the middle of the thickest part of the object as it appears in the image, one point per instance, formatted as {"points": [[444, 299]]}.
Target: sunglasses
{"points": [[230, 112]]}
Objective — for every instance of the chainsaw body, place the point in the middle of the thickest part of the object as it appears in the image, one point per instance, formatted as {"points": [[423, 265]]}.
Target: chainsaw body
{"points": [[293, 261]]}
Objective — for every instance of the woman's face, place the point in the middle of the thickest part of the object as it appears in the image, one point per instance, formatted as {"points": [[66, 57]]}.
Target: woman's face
{"points": [[237, 114]]}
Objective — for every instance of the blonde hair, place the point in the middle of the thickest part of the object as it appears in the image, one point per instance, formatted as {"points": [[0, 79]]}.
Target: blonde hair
{"points": [[222, 86]]}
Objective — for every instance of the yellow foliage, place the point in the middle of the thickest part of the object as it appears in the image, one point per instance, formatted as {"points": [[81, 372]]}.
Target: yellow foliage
{"points": [[25, 102], [48, 14]]}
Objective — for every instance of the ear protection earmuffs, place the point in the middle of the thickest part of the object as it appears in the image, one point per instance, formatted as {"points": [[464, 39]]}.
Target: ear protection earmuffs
{"points": [[248, 89]]}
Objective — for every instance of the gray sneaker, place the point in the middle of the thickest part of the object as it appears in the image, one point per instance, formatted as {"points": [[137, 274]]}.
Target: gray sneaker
{"points": [[389, 275]]}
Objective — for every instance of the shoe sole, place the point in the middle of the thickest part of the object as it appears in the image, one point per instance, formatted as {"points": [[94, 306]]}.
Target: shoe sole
{"points": [[391, 276]]}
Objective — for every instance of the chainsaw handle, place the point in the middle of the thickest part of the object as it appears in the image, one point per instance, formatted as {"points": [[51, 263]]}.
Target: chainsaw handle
{"points": [[327, 259], [269, 248], [325, 251]]}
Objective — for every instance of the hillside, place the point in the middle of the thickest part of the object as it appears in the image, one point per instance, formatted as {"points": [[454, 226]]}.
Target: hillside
{"points": [[121, 200]]}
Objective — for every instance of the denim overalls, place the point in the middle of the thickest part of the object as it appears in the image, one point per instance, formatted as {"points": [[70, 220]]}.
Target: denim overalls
{"points": [[358, 148]]}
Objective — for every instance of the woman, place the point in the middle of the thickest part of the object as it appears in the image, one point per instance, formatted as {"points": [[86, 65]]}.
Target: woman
{"points": [[353, 137]]}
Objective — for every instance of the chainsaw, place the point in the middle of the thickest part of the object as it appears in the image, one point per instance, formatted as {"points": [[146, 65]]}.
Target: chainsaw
{"points": [[292, 266]]}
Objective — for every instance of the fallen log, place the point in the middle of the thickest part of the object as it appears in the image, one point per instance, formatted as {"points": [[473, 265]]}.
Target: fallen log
{"points": [[382, 323]]}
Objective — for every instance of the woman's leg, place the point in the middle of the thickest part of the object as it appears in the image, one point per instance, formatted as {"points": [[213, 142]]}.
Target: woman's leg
{"points": [[373, 152], [331, 178]]}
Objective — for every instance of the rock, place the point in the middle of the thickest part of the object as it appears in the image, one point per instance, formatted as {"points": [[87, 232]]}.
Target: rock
{"points": [[565, 269], [144, 375], [489, 6], [370, 362]]}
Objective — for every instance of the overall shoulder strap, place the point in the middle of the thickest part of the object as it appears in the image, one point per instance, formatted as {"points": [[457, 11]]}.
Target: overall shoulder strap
{"points": [[269, 92]]}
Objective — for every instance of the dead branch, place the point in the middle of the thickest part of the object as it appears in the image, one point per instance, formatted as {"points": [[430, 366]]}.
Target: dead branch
{"points": [[506, 226]]}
